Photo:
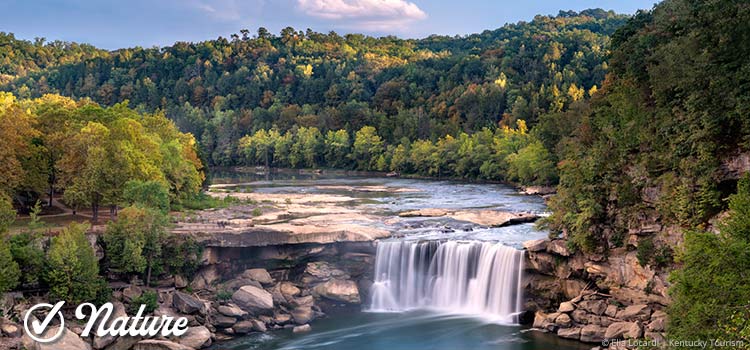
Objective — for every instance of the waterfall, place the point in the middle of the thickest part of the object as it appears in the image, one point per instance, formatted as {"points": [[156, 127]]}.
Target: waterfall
{"points": [[477, 278]]}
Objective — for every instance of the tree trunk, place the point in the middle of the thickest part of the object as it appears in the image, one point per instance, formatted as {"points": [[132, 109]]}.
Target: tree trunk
{"points": [[51, 194], [95, 212], [148, 275]]}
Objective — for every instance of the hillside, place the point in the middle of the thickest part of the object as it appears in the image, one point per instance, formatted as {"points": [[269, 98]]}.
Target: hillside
{"points": [[222, 89]]}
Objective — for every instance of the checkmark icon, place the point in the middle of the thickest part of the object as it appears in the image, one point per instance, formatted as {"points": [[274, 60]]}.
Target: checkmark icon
{"points": [[38, 328]]}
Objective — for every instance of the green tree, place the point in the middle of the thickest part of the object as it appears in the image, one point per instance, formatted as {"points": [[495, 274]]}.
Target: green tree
{"points": [[72, 267], [399, 158], [9, 270], [149, 194], [368, 146], [337, 148], [713, 286], [26, 248], [532, 165], [134, 242]]}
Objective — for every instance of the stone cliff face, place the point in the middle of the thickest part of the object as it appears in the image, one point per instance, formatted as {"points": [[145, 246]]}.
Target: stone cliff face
{"points": [[593, 297]]}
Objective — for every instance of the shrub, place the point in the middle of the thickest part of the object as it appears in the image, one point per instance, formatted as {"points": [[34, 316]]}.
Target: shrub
{"points": [[148, 298], [9, 270], [72, 268], [224, 295], [713, 284], [645, 251]]}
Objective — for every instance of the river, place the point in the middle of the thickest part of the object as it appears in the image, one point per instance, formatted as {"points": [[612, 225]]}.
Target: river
{"points": [[420, 303]]}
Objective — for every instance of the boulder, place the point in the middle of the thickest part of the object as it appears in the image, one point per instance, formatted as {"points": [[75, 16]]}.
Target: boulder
{"points": [[131, 292], [289, 290], [124, 343], [540, 320], [195, 337], [67, 341], [302, 315], [321, 271], [278, 298], [536, 245], [280, 318], [151, 344], [542, 262], [258, 326], [566, 307], [538, 190], [222, 321], [10, 329], [640, 312], [260, 275], [572, 288], [563, 321], [238, 283], [232, 310], [627, 330], [180, 282], [558, 247], [205, 278], [611, 310], [569, 333], [658, 322], [253, 299], [592, 333], [186, 304], [545, 321], [580, 316], [307, 300], [102, 342], [243, 327], [339, 290], [302, 329], [596, 307]]}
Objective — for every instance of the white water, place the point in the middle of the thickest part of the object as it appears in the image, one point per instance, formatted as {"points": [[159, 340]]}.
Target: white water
{"points": [[474, 278]]}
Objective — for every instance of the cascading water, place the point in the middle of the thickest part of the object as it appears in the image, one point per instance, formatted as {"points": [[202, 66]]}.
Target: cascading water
{"points": [[478, 278]]}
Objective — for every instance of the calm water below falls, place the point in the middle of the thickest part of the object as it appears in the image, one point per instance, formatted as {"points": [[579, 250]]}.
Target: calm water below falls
{"points": [[414, 330]]}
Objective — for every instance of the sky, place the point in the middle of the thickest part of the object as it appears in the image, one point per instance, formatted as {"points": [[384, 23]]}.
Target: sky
{"points": [[112, 24]]}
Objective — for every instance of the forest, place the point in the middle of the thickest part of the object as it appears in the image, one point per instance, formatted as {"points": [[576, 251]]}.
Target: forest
{"points": [[221, 90]]}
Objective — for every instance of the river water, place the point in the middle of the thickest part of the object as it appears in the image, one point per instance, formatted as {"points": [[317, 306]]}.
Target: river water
{"points": [[440, 283]]}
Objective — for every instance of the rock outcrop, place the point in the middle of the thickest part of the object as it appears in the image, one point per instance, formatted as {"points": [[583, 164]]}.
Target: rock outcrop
{"points": [[492, 218], [592, 297], [253, 299], [339, 290]]}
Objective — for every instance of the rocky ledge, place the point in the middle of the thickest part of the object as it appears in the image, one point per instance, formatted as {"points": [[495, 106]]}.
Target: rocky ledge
{"points": [[282, 218], [593, 297], [483, 217]]}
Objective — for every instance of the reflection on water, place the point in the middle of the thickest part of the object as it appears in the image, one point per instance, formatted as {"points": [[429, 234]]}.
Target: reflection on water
{"points": [[407, 331]]}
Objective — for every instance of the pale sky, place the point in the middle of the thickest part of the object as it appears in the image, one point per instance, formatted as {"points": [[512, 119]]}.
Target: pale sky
{"points": [[115, 24]]}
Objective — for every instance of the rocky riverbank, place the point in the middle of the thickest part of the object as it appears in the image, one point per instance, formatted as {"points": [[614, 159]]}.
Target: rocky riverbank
{"points": [[228, 298], [593, 297]]}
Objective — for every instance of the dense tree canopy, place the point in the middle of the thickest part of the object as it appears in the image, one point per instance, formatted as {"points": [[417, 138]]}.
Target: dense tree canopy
{"points": [[90, 153], [672, 110], [223, 89]]}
